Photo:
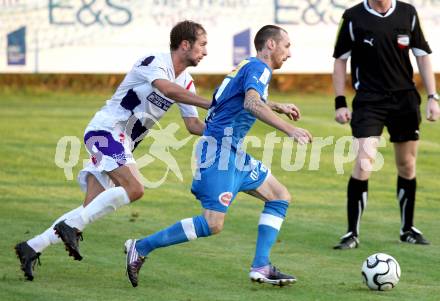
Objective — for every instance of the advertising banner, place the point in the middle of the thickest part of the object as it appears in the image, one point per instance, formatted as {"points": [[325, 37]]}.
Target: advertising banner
{"points": [[107, 36], [16, 49]]}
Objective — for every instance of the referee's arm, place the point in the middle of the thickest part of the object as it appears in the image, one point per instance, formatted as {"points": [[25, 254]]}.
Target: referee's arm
{"points": [[425, 69], [342, 114], [339, 74]]}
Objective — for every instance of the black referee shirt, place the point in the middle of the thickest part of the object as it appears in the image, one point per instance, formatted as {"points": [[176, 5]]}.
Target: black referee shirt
{"points": [[379, 46]]}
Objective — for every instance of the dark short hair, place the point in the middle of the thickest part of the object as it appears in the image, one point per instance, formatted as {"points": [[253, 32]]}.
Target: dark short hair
{"points": [[185, 30], [265, 33]]}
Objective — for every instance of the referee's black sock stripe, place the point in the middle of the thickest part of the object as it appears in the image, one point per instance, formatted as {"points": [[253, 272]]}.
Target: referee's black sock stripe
{"points": [[406, 195], [357, 191]]}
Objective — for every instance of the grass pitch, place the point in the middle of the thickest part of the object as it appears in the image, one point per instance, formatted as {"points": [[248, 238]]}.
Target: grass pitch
{"points": [[34, 192]]}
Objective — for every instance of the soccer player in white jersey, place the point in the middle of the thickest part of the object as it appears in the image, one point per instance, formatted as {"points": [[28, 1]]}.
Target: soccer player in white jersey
{"points": [[112, 180]]}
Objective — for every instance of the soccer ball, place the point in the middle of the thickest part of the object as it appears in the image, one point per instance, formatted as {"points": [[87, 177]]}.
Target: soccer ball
{"points": [[380, 272]]}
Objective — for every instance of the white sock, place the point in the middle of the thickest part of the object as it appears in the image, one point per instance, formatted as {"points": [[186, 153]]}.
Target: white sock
{"points": [[48, 237], [104, 203]]}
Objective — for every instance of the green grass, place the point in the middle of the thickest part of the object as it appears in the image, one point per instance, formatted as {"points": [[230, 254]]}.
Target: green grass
{"points": [[34, 192]]}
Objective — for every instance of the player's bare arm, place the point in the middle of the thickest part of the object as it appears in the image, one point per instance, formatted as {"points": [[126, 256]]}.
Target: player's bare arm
{"points": [[289, 109], [194, 125], [343, 114], [263, 112], [425, 68], [179, 94]]}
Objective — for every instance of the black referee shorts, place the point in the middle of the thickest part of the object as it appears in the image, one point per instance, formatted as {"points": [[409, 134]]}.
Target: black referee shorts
{"points": [[398, 111]]}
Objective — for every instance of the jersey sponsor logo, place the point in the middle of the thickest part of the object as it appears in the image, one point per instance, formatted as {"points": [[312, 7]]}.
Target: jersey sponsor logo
{"points": [[120, 157], [159, 101], [369, 42], [225, 198], [402, 41]]}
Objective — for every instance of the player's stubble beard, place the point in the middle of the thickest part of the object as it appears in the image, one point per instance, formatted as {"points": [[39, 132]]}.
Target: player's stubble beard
{"points": [[190, 61], [278, 61]]}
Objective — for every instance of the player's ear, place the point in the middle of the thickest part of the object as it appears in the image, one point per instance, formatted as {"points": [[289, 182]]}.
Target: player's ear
{"points": [[186, 45], [270, 44]]}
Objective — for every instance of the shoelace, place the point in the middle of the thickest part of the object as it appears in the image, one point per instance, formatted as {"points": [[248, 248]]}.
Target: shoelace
{"points": [[275, 270]]}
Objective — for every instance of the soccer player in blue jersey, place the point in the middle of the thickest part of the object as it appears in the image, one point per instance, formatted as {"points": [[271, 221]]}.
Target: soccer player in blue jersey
{"points": [[224, 169]]}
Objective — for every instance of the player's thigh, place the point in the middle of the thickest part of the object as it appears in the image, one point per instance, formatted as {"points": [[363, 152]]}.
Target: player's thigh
{"points": [[215, 189], [270, 190], [94, 188], [128, 176]]}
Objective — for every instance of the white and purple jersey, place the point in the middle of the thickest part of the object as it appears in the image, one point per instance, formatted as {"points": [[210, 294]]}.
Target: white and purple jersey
{"points": [[125, 119], [137, 104]]}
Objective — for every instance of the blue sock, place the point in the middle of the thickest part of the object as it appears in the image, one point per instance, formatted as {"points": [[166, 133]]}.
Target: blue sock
{"points": [[182, 231], [268, 227]]}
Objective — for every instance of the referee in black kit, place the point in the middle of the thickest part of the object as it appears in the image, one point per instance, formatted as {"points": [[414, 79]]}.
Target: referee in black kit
{"points": [[378, 35]]}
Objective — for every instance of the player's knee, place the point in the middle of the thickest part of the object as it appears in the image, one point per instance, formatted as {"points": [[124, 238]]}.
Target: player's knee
{"points": [[360, 173], [283, 194], [406, 168], [286, 196], [215, 226], [135, 191]]}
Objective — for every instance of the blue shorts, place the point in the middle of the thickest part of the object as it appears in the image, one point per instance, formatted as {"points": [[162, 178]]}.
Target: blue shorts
{"points": [[216, 187]]}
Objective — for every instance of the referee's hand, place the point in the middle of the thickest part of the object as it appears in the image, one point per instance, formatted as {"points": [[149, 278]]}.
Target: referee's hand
{"points": [[432, 110], [343, 115]]}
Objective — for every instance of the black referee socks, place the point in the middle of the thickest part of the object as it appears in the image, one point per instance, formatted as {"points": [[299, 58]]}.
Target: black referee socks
{"points": [[357, 194], [406, 196]]}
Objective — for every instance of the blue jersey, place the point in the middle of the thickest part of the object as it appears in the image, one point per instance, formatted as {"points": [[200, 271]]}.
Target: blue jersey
{"points": [[220, 175], [227, 109]]}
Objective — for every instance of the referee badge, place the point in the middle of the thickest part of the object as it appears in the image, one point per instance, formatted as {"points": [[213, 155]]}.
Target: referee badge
{"points": [[402, 41]]}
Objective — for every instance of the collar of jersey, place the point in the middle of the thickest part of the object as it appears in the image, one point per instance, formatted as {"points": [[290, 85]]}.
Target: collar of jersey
{"points": [[372, 11], [261, 61]]}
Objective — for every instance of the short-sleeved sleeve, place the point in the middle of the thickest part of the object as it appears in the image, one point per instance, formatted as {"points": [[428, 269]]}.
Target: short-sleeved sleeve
{"points": [[151, 68], [188, 110], [344, 39], [419, 45], [185, 109], [257, 77]]}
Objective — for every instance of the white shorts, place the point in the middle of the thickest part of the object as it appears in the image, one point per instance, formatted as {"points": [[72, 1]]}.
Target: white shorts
{"points": [[108, 149], [102, 177]]}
